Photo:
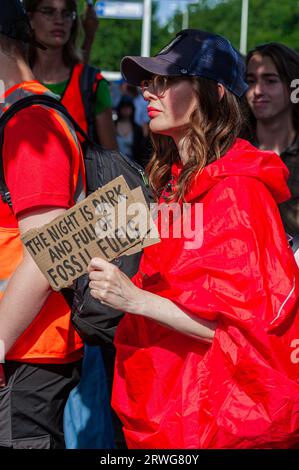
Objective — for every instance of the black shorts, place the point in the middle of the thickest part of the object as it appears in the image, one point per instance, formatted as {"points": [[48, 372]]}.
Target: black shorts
{"points": [[32, 404]]}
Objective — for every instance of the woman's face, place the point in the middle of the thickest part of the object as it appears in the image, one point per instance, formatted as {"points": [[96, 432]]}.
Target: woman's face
{"points": [[267, 95], [170, 105], [52, 23]]}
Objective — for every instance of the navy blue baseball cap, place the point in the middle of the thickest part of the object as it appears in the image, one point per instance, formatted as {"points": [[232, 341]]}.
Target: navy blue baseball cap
{"points": [[192, 53], [14, 22]]}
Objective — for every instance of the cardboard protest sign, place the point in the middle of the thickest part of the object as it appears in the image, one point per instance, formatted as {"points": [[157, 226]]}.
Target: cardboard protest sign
{"points": [[99, 226], [149, 234]]}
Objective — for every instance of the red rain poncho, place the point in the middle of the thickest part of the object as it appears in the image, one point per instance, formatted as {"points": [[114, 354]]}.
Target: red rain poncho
{"points": [[242, 391]]}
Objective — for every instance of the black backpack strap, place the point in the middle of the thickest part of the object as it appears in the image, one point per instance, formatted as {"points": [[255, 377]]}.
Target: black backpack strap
{"points": [[295, 243], [4, 191], [45, 100], [88, 85]]}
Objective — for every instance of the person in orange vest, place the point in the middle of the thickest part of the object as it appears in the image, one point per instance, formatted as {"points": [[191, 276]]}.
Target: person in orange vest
{"points": [[43, 170], [59, 67]]}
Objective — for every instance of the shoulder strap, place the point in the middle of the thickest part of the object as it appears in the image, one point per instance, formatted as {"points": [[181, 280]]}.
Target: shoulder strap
{"points": [[45, 100], [4, 192], [89, 80], [18, 106], [295, 243]]}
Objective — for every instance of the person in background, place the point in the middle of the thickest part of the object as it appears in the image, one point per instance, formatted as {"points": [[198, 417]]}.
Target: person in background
{"points": [[274, 114], [141, 117], [90, 24], [55, 24], [43, 171], [206, 353], [129, 135]]}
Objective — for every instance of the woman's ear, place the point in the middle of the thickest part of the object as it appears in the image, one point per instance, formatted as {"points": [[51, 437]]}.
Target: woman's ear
{"points": [[221, 91]]}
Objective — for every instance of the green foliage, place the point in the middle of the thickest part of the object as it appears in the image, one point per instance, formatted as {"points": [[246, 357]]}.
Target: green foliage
{"points": [[224, 18], [270, 20], [274, 20], [117, 38]]}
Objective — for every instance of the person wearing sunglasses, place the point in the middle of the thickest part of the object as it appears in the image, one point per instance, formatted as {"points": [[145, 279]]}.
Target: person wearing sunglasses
{"points": [[207, 351], [59, 67]]}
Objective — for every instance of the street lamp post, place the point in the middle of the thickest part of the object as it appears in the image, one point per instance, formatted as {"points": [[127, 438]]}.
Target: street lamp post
{"points": [[244, 27], [146, 28], [185, 22]]}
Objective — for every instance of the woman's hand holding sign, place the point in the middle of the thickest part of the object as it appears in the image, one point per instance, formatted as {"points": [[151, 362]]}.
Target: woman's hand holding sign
{"points": [[113, 288]]}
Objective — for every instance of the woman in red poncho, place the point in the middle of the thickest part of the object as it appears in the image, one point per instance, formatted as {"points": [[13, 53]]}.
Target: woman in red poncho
{"points": [[208, 355]]}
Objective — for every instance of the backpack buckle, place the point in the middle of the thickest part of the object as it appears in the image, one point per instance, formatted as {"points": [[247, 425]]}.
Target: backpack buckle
{"points": [[6, 198]]}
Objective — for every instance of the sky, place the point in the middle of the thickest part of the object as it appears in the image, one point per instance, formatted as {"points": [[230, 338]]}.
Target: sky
{"points": [[166, 8]]}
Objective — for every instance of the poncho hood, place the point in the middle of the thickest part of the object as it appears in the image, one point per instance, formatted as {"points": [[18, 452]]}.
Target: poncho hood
{"points": [[242, 159]]}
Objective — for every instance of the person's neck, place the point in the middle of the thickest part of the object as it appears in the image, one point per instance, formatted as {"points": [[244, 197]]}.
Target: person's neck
{"points": [[14, 70], [275, 134], [49, 66]]}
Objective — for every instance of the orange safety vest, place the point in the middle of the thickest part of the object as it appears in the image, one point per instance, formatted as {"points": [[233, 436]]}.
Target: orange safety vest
{"points": [[50, 338], [72, 97]]}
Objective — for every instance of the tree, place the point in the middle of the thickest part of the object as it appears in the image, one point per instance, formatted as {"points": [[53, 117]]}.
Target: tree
{"points": [[117, 38], [268, 21], [272, 20]]}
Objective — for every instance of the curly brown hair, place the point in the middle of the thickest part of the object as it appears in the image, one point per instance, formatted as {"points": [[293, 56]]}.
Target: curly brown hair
{"points": [[214, 126], [71, 55]]}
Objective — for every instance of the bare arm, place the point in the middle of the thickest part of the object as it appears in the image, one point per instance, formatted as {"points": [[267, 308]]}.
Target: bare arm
{"points": [[27, 289], [90, 24], [113, 288], [106, 130]]}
